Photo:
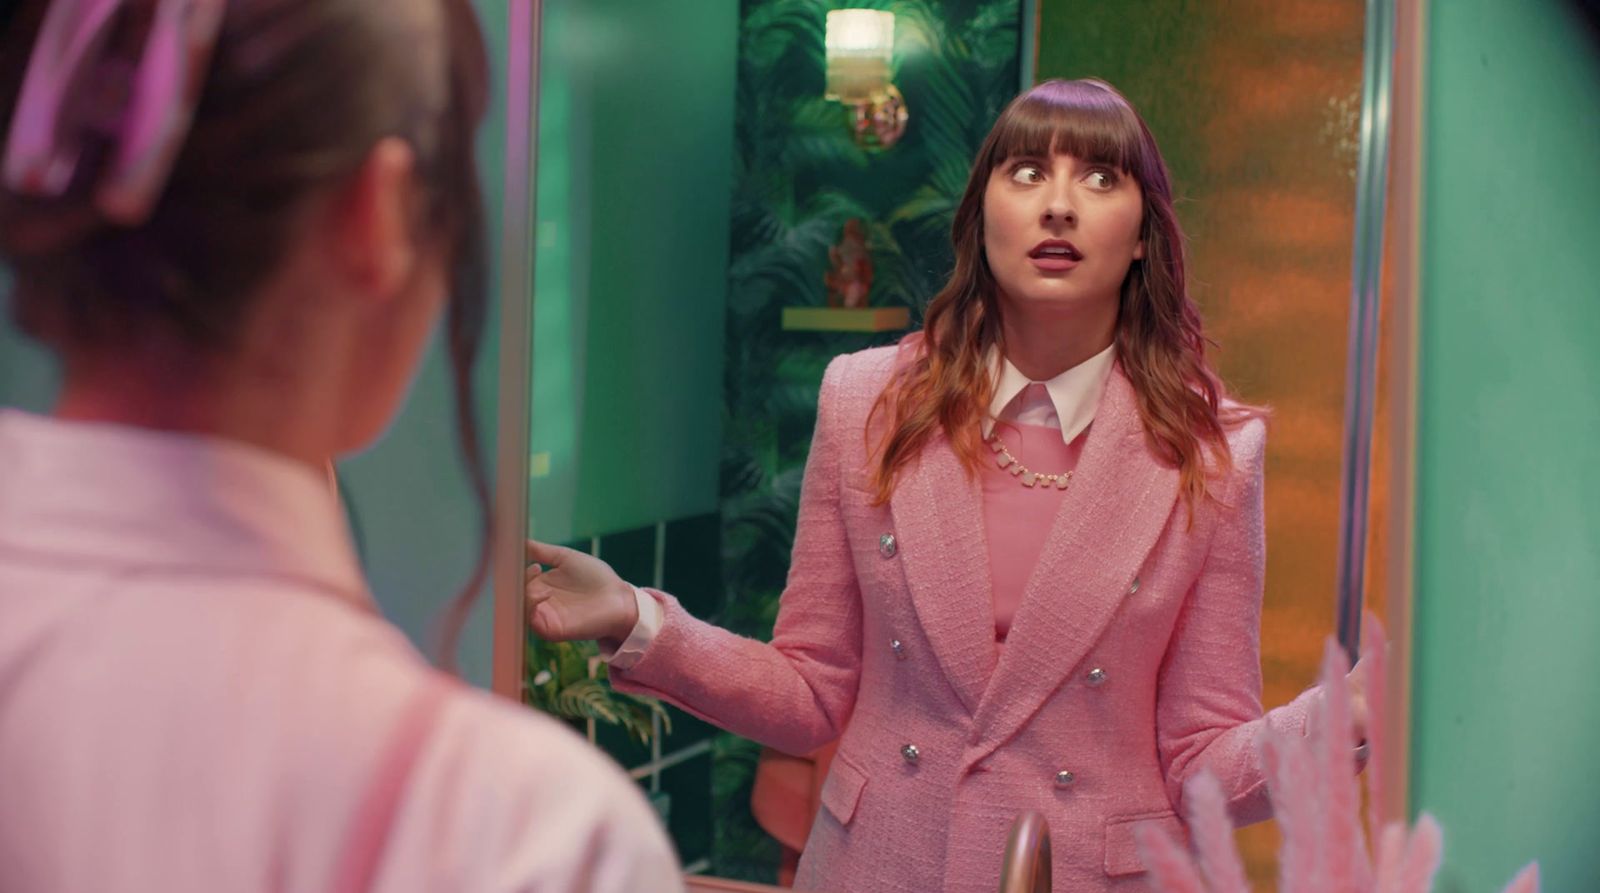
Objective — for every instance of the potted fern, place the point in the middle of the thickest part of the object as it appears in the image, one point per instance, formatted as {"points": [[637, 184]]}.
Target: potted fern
{"points": [[568, 679]]}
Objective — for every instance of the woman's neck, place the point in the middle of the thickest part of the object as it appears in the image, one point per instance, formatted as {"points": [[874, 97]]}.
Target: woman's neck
{"points": [[1042, 348], [191, 398]]}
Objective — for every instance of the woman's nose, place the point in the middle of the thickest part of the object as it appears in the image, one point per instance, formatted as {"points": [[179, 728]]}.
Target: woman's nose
{"points": [[1058, 209]]}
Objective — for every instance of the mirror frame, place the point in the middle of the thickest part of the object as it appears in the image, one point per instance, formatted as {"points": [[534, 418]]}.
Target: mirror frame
{"points": [[508, 556]]}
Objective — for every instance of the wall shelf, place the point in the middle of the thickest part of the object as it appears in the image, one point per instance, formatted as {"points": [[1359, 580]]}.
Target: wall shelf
{"points": [[846, 319]]}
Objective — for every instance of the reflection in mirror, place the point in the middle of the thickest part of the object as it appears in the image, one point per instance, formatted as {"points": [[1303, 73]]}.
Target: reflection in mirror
{"points": [[711, 236]]}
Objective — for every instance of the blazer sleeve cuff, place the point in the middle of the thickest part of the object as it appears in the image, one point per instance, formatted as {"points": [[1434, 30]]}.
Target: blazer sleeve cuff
{"points": [[651, 617]]}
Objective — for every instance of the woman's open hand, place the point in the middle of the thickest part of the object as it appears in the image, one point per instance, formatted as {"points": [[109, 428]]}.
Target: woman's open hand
{"points": [[576, 596]]}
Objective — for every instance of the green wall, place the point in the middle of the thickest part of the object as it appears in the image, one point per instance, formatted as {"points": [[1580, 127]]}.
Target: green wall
{"points": [[634, 179], [1506, 716]]}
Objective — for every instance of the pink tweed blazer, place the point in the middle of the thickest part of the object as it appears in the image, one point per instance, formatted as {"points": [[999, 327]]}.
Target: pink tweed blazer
{"points": [[1133, 660]]}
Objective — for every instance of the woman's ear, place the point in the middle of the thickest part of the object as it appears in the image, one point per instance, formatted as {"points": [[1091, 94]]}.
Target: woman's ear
{"points": [[1138, 250], [373, 232]]}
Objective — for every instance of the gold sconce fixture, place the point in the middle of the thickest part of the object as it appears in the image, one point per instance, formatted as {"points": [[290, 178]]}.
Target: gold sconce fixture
{"points": [[860, 45]]}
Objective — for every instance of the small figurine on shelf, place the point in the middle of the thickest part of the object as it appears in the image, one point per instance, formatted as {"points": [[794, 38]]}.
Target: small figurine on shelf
{"points": [[879, 122], [849, 278], [888, 120]]}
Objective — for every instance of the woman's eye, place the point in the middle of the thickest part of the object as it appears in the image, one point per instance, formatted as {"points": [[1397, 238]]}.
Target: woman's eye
{"points": [[1027, 173], [1102, 179]]}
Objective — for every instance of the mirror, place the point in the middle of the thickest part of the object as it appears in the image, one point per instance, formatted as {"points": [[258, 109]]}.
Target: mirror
{"points": [[708, 230]]}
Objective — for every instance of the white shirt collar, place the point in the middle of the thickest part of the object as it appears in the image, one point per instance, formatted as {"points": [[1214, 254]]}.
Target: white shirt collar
{"points": [[1075, 393]]}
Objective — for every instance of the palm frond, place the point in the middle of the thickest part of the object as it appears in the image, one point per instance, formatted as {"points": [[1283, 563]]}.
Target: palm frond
{"points": [[586, 699], [991, 33], [919, 29], [772, 27], [927, 201]]}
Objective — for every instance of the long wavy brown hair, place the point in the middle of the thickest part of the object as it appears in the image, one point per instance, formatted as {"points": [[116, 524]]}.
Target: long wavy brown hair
{"points": [[946, 386]]}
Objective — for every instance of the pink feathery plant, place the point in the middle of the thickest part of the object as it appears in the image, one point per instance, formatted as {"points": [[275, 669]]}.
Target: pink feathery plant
{"points": [[1316, 801]]}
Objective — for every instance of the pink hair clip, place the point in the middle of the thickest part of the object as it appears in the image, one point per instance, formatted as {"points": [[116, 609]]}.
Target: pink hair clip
{"points": [[153, 107]]}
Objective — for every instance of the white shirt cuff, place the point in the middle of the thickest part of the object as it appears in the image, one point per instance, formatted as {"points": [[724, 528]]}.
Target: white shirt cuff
{"points": [[644, 632]]}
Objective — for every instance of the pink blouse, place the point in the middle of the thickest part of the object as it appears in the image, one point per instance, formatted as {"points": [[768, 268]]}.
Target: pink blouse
{"points": [[1016, 518]]}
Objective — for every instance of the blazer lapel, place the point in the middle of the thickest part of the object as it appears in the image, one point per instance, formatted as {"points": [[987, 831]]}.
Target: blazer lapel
{"points": [[938, 521], [1119, 502]]}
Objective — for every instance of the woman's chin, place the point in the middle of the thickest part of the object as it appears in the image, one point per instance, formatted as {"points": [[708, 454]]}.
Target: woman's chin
{"points": [[1056, 298]]}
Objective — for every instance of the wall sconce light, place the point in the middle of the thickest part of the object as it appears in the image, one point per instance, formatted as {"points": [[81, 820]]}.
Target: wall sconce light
{"points": [[860, 44]]}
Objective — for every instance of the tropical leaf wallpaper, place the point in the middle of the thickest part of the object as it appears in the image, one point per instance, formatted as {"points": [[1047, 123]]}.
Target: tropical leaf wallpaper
{"points": [[798, 177]]}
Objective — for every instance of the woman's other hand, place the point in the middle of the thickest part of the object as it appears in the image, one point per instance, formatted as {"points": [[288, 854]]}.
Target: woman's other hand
{"points": [[576, 596], [1359, 712]]}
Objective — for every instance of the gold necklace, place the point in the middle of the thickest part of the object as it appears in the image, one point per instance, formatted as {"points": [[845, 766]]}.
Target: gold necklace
{"points": [[1028, 478]]}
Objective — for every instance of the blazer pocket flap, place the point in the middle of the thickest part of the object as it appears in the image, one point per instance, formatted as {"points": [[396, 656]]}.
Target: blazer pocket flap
{"points": [[842, 789], [1122, 846]]}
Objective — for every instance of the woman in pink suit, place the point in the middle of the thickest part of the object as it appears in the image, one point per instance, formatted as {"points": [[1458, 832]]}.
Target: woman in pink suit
{"points": [[1027, 573]]}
